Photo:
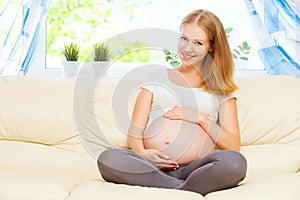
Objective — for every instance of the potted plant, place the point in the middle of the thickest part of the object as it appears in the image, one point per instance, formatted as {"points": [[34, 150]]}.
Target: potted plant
{"points": [[71, 65], [102, 55]]}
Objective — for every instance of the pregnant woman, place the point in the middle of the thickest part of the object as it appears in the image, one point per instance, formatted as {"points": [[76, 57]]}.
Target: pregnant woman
{"points": [[184, 132]]}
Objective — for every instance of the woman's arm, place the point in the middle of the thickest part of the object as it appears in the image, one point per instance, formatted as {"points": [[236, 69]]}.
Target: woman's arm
{"points": [[139, 120], [140, 117], [226, 135]]}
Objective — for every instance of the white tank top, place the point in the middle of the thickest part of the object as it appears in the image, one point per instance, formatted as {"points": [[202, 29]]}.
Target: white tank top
{"points": [[167, 94]]}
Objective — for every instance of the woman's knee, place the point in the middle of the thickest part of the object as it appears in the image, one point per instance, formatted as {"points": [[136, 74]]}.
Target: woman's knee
{"points": [[234, 163], [110, 162], [109, 156]]}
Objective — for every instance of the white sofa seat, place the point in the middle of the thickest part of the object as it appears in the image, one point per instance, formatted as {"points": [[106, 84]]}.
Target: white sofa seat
{"points": [[96, 189], [275, 187], [20, 185]]}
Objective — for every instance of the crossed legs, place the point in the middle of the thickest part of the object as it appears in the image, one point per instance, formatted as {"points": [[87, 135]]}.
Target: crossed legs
{"points": [[216, 171]]}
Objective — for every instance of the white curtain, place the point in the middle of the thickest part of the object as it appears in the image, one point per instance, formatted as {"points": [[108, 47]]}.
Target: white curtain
{"points": [[277, 25], [24, 21]]}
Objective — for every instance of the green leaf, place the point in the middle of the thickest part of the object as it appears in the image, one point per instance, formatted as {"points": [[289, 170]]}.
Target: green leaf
{"points": [[236, 51], [166, 51], [240, 47], [168, 58], [245, 45], [71, 52], [228, 30], [101, 52], [243, 58], [175, 63]]}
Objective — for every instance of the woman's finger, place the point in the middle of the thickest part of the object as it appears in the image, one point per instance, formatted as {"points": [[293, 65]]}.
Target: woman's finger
{"points": [[162, 155]]}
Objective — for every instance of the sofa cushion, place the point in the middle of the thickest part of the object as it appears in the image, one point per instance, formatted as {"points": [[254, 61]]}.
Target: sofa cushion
{"points": [[37, 110], [268, 159], [275, 187], [38, 158], [18, 185], [269, 109], [105, 111], [96, 190]]}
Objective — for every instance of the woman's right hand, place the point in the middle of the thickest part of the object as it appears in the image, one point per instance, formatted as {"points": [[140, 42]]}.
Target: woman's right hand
{"points": [[159, 159]]}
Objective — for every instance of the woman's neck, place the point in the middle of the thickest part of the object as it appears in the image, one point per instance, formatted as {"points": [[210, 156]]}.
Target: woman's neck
{"points": [[191, 75]]}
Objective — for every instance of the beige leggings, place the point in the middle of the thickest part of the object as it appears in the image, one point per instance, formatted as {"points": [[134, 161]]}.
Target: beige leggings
{"points": [[216, 171]]}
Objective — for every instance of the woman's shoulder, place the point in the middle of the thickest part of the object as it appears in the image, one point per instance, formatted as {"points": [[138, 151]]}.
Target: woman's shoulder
{"points": [[223, 98]]}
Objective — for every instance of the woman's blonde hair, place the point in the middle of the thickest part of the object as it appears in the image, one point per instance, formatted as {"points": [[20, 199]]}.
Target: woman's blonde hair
{"points": [[217, 66]]}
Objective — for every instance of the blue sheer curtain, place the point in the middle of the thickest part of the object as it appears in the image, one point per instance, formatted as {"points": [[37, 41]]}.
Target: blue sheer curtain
{"points": [[277, 27], [25, 19]]}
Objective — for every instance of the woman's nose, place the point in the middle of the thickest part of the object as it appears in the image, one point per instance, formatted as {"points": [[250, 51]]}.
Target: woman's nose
{"points": [[188, 47]]}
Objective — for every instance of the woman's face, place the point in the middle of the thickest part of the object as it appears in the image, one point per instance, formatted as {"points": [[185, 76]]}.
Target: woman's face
{"points": [[193, 45]]}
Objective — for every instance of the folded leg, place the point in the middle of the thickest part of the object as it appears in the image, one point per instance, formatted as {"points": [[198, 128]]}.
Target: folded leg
{"points": [[127, 167], [216, 171]]}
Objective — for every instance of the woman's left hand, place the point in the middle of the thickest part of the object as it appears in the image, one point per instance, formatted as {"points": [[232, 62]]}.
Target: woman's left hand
{"points": [[183, 113]]}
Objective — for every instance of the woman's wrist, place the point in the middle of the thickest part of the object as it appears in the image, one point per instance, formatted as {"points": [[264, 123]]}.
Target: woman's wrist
{"points": [[204, 121]]}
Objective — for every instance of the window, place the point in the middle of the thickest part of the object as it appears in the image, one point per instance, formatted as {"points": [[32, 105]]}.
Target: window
{"points": [[87, 22]]}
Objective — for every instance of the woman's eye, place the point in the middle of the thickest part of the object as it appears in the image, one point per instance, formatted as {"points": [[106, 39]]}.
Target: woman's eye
{"points": [[183, 38], [199, 43]]}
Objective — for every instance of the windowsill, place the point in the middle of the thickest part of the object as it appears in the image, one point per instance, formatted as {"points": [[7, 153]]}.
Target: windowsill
{"points": [[249, 72], [119, 70]]}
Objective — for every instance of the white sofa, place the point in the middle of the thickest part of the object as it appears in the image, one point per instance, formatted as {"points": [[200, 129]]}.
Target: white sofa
{"points": [[50, 138]]}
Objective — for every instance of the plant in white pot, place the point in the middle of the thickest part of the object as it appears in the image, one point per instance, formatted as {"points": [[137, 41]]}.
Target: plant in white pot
{"points": [[102, 55], [71, 65]]}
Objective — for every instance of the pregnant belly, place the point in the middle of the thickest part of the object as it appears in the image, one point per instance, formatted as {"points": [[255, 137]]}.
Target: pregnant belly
{"points": [[182, 141]]}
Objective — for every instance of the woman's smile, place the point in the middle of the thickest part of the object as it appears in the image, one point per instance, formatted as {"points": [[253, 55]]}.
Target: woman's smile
{"points": [[187, 56]]}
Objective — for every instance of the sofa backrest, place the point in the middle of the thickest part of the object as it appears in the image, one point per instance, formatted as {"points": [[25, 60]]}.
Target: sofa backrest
{"points": [[37, 128], [269, 109], [107, 108]]}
